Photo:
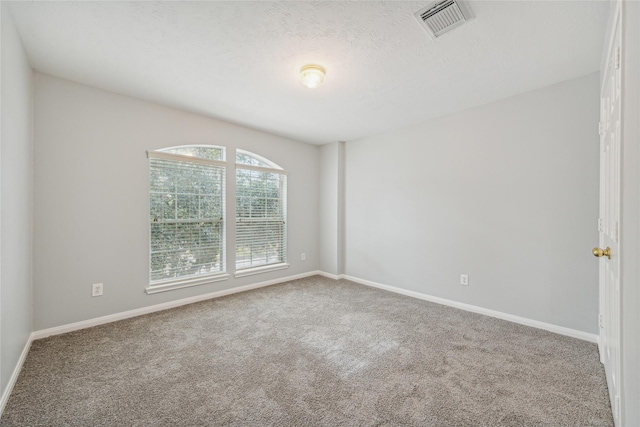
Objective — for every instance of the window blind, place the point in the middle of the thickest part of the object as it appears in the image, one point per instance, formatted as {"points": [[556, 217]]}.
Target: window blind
{"points": [[261, 216], [186, 216]]}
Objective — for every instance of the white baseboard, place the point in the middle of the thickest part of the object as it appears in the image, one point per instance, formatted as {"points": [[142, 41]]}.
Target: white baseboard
{"points": [[480, 310], [14, 376], [331, 276], [159, 307]]}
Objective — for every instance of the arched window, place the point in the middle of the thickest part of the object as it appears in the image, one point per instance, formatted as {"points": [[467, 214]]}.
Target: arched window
{"points": [[187, 216], [261, 214]]}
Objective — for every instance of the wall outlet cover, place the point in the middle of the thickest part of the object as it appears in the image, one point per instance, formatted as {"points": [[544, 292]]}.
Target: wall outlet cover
{"points": [[97, 289]]}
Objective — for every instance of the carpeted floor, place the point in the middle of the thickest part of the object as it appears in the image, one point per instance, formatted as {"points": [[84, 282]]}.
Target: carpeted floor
{"points": [[312, 352]]}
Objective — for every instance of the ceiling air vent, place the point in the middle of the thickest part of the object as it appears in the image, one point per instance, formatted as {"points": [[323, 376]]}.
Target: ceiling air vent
{"points": [[441, 17]]}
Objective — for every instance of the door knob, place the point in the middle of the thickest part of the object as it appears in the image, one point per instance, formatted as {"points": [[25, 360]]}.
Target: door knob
{"points": [[602, 252]]}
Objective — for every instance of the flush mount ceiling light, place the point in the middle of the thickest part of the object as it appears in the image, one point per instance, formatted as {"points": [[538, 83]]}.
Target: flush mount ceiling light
{"points": [[312, 76]]}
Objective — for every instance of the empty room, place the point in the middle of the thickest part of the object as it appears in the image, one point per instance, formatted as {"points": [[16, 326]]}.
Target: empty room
{"points": [[320, 213]]}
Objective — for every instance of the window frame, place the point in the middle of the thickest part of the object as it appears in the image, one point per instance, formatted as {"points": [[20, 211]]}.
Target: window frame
{"points": [[271, 168], [197, 279]]}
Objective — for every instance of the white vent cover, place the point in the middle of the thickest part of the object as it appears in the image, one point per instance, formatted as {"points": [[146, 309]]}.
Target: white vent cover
{"points": [[440, 17]]}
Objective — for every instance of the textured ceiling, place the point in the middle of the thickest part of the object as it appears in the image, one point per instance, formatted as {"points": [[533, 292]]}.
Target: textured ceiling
{"points": [[238, 61]]}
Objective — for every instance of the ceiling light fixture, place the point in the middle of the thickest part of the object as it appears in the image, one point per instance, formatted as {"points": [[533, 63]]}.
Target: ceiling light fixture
{"points": [[312, 76]]}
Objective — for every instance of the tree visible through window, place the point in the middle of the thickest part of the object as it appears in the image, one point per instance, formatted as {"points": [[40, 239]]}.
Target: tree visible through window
{"points": [[187, 215], [261, 212]]}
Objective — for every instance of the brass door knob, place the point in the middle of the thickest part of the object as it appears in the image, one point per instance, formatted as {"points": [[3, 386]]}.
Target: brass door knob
{"points": [[602, 252]]}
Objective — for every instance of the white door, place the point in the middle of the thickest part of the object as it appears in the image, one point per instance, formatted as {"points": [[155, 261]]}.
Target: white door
{"points": [[608, 223]]}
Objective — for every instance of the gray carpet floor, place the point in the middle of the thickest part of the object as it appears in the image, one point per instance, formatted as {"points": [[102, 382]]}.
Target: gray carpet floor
{"points": [[311, 352]]}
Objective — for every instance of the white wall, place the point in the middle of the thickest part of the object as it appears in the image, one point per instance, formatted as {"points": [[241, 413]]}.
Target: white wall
{"points": [[506, 193], [15, 199], [91, 188]]}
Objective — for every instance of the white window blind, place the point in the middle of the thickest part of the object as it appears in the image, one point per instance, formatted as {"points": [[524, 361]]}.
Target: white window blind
{"points": [[186, 213], [261, 209]]}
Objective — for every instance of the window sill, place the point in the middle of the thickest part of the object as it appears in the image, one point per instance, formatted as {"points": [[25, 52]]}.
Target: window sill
{"points": [[185, 283], [262, 269]]}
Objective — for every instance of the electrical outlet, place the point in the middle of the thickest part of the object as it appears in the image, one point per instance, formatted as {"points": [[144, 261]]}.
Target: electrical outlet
{"points": [[303, 256], [97, 289], [464, 280]]}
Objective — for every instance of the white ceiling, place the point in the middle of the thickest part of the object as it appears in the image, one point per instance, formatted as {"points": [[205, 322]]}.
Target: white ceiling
{"points": [[238, 61]]}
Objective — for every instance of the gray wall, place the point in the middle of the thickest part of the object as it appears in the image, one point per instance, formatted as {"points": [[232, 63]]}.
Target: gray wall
{"points": [[91, 188], [630, 216], [329, 208], [506, 193], [332, 207], [15, 199]]}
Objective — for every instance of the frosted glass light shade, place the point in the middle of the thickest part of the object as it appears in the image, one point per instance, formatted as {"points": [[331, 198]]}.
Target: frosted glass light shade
{"points": [[312, 76]]}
